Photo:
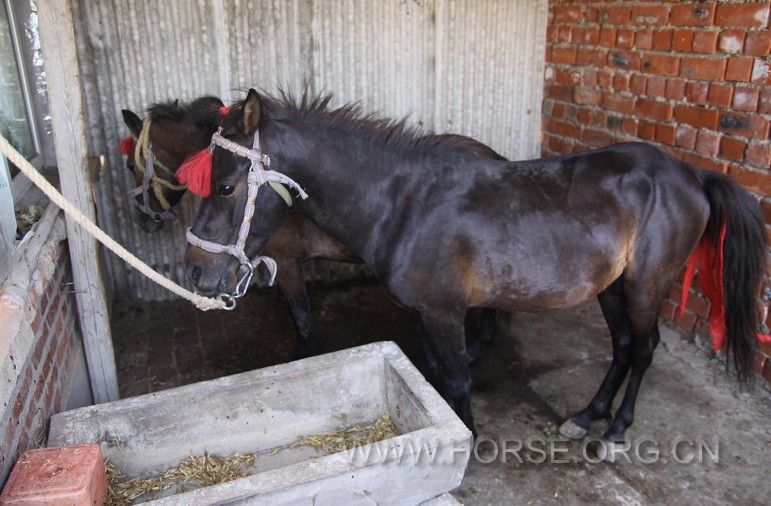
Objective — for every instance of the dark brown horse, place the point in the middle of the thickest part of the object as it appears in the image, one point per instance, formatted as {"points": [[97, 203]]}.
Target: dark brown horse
{"points": [[178, 130], [445, 230]]}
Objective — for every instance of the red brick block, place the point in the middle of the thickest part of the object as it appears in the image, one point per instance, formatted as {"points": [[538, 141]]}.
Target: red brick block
{"points": [[591, 35], [739, 69], [563, 55], [618, 103], [608, 36], [731, 41], [656, 86], [708, 143], [692, 14], [596, 138], [625, 39], [685, 136], [675, 89], [759, 155], [661, 64], [629, 126], [615, 15], [69, 475], [567, 14], [665, 134], [696, 116], [742, 15], [732, 149], [637, 84], [590, 77], [764, 104], [564, 34], [756, 181], [584, 115], [589, 56], [654, 109], [705, 42], [758, 44], [604, 79], [643, 39], [720, 94], [761, 72], [586, 95], [650, 15], [682, 40], [697, 67], [621, 81], [559, 92], [750, 126], [662, 40], [746, 99], [704, 163], [646, 130], [697, 92]]}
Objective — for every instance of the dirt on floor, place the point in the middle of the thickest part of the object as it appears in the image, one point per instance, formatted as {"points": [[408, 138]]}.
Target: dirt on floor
{"points": [[698, 437]]}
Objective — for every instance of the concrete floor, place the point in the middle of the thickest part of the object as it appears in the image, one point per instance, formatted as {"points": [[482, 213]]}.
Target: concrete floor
{"points": [[541, 368]]}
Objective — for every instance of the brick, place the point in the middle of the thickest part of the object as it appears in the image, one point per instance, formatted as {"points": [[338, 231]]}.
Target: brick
{"points": [[615, 15], [589, 56], [608, 36], [759, 155], [559, 92], [618, 103], [625, 39], [643, 39], [662, 40], [624, 59], [739, 69], [563, 35], [705, 42], [685, 136], [629, 126], [586, 95], [567, 14], [682, 40], [692, 14], [720, 94], [697, 67], [746, 99], [621, 81], [665, 134], [646, 130], [708, 143], [758, 44], [591, 35], [696, 116], [565, 76], [654, 109], [704, 162], [750, 126], [761, 72], [584, 115], [754, 180], [764, 104], [591, 15], [666, 65], [731, 41], [596, 138], [563, 55], [637, 84], [656, 86], [697, 92], [742, 15], [604, 79], [732, 149], [675, 89], [650, 15], [590, 77]]}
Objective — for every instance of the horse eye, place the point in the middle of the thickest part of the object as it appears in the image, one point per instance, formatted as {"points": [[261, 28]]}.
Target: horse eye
{"points": [[226, 190]]}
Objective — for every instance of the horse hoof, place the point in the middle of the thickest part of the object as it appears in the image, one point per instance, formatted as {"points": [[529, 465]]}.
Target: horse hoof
{"points": [[572, 430]]}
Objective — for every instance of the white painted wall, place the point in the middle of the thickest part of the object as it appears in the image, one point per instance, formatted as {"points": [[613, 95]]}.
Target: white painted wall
{"points": [[466, 66]]}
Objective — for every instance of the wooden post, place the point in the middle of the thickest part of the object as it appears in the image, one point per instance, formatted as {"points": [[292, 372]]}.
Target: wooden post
{"points": [[57, 39]]}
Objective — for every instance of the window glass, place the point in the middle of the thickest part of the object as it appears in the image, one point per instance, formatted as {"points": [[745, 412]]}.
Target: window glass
{"points": [[14, 121]]}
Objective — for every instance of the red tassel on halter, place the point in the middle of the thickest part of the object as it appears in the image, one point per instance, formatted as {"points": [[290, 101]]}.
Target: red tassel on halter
{"points": [[126, 145], [224, 111], [195, 173]]}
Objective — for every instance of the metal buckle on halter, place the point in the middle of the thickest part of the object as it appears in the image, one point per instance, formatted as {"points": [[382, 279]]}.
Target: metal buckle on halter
{"points": [[243, 284], [228, 300]]}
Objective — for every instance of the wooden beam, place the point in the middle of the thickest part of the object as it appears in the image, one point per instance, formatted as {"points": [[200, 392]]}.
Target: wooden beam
{"points": [[57, 39]]}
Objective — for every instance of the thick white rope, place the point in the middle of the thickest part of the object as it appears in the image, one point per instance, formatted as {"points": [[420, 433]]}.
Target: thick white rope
{"points": [[202, 303]]}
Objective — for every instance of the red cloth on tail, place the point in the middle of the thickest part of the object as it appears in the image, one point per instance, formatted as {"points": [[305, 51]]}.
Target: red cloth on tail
{"points": [[126, 145], [195, 172], [708, 258]]}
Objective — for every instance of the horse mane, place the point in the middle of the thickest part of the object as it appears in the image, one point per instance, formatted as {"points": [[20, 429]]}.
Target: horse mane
{"points": [[202, 112], [391, 134]]}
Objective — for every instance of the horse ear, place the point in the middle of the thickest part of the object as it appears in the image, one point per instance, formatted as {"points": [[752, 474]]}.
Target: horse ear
{"points": [[252, 112], [132, 121]]}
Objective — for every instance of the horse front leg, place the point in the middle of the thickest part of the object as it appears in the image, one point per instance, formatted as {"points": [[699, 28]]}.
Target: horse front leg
{"points": [[290, 278], [446, 337]]}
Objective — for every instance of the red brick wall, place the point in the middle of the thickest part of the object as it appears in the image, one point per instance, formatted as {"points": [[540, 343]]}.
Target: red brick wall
{"points": [[47, 375], [693, 78]]}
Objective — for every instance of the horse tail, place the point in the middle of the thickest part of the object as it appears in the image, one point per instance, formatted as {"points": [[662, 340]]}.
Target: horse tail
{"points": [[733, 255]]}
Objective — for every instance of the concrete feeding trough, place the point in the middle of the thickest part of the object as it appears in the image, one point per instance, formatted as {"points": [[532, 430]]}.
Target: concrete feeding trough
{"points": [[267, 411]]}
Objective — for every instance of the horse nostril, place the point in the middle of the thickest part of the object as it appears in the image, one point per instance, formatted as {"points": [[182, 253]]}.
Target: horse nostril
{"points": [[195, 273]]}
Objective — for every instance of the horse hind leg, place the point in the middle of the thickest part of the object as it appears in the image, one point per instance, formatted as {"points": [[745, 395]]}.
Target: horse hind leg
{"points": [[613, 305]]}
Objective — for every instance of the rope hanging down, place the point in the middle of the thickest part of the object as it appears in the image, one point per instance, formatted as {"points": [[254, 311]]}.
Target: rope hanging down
{"points": [[202, 303]]}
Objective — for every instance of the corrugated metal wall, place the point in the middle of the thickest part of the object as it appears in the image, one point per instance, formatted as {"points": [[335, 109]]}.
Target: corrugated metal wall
{"points": [[467, 66]]}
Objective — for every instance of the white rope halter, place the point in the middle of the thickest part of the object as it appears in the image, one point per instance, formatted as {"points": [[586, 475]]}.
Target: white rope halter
{"points": [[256, 177]]}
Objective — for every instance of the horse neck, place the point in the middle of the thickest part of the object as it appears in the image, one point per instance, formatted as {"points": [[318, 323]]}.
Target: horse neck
{"points": [[340, 172]]}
